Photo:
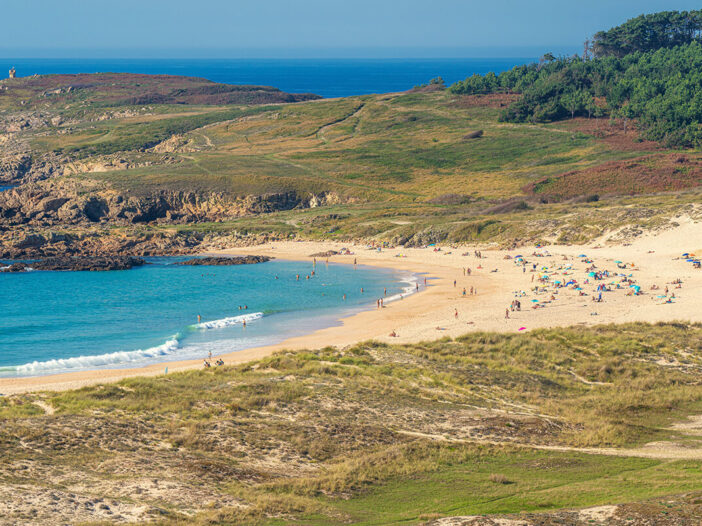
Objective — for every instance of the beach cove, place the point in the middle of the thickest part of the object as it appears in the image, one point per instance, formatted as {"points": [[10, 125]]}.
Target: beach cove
{"points": [[498, 278]]}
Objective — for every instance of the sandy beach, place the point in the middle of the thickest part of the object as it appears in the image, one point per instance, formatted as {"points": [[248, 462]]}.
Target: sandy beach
{"points": [[498, 278]]}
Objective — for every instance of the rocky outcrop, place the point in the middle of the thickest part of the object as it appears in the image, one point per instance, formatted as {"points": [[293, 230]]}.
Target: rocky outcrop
{"points": [[18, 244], [225, 261], [70, 202], [78, 263]]}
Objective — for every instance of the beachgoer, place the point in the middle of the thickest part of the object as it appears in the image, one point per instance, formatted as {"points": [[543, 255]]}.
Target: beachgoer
{"points": [[199, 318], [464, 291], [297, 277], [506, 313], [344, 297], [455, 313], [454, 283]]}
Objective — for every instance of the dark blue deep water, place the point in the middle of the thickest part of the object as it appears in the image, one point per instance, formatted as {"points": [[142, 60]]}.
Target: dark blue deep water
{"points": [[325, 77]]}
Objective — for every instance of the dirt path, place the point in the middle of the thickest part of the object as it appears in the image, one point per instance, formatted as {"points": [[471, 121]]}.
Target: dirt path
{"points": [[654, 450], [321, 130]]}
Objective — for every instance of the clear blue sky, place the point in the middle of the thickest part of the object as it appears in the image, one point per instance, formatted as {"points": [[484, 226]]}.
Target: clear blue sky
{"points": [[310, 28]]}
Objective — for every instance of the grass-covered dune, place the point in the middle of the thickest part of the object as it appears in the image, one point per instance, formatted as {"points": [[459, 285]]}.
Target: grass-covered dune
{"points": [[376, 434]]}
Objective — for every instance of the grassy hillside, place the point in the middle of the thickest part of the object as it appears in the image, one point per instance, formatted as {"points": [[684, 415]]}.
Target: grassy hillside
{"points": [[374, 434], [415, 167]]}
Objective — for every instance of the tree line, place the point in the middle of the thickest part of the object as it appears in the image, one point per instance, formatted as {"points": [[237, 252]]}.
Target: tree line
{"points": [[659, 84]]}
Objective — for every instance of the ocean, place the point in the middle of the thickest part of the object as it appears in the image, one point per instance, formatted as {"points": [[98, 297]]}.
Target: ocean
{"points": [[325, 77], [55, 322]]}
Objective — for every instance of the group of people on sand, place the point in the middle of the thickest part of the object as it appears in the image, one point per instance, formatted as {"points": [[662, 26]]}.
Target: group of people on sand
{"points": [[219, 362], [207, 362]]}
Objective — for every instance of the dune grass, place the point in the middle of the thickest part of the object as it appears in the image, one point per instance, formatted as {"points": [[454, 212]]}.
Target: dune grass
{"points": [[379, 434]]}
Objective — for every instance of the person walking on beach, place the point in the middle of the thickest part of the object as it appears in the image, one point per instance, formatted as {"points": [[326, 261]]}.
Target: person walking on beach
{"points": [[455, 313], [506, 314], [377, 303], [464, 292], [454, 283]]}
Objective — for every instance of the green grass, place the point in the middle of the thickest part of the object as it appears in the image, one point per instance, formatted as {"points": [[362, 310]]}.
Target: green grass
{"points": [[329, 436]]}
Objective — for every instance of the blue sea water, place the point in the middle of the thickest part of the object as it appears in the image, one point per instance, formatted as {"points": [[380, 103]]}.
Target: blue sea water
{"points": [[325, 77], [56, 322]]}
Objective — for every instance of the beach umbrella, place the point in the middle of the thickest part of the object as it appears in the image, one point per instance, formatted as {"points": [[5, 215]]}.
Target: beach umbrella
{"points": [[582, 256]]}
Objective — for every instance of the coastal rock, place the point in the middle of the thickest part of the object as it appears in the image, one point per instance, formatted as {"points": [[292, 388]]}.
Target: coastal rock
{"points": [[235, 260], [79, 263], [64, 200]]}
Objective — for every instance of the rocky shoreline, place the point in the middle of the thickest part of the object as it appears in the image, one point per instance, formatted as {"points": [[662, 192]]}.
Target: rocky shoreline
{"points": [[103, 263], [225, 261]]}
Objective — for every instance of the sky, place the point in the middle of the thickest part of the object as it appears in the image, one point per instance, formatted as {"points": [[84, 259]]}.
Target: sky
{"points": [[310, 28]]}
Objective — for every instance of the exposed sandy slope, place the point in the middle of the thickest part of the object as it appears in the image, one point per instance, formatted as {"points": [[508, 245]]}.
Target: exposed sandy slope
{"points": [[431, 313]]}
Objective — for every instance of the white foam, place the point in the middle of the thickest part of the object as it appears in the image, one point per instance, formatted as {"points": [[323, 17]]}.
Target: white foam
{"points": [[121, 358], [229, 322], [87, 362], [411, 288]]}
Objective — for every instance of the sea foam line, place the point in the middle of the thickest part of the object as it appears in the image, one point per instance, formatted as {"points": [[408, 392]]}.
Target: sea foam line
{"points": [[167, 348], [113, 358], [229, 322], [411, 281]]}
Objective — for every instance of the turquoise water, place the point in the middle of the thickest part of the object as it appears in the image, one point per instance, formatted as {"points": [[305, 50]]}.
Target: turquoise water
{"points": [[55, 322]]}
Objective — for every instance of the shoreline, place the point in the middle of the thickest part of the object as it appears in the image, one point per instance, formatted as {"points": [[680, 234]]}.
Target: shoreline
{"points": [[441, 310]]}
